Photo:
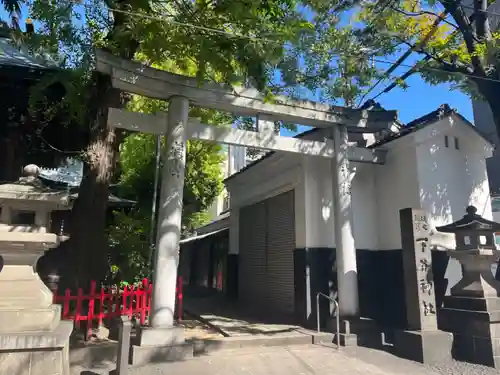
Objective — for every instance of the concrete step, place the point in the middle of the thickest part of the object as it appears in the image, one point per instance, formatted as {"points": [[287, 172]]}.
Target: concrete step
{"points": [[93, 354], [104, 354], [202, 347]]}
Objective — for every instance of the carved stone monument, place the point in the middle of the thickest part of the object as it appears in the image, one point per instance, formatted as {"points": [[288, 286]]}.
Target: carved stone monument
{"points": [[421, 341], [472, 311], [33, 339]]}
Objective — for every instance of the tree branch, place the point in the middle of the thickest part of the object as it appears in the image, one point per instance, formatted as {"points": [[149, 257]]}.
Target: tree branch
{"points": [[465, 27], [416, 14], [445, 65]]}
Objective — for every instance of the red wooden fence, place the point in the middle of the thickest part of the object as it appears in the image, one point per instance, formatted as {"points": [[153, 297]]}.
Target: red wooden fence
{"points": [[108, 303]]}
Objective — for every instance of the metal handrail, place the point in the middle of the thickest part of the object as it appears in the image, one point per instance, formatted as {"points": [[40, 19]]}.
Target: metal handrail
{"points": [[337, 315]]}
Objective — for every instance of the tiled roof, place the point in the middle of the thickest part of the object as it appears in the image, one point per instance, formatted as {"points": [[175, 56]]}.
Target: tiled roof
{"points": [[443, 111], [417, 124], [20, 57]]}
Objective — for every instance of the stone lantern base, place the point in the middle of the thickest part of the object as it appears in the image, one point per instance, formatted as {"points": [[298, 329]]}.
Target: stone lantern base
{"points": [[33, 339], [36, 353], [472, 312]]}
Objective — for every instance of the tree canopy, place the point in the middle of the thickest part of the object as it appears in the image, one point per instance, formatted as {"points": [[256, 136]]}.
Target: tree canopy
{"points": [[237, 42], [311, 48], [456, 42]]}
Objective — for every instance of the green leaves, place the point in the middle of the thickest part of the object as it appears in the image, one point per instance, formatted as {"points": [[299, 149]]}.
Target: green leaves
{"points": [[454, 51], [203, 180]]}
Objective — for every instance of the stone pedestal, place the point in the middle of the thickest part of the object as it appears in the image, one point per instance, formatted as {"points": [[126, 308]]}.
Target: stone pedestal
{"points": [[33, 340], [429, 347], [472, 312], [421, 341], [357, 332], [36, 353], [154, 345]]}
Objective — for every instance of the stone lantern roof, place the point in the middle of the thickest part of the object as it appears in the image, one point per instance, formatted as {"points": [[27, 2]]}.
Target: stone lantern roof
{"points": [[30, 191], [471, 221], [472, 232]]}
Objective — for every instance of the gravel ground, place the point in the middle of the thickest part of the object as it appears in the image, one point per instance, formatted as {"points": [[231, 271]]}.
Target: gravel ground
{"points": [[463, 368]]}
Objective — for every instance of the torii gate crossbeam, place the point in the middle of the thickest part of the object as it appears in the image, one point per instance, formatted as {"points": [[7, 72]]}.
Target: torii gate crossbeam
{"points": [[181, 92], [158, 123]]}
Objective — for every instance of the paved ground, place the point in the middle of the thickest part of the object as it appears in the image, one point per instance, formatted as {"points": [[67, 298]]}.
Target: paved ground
{"points": [[300, 360], [229, 319]]}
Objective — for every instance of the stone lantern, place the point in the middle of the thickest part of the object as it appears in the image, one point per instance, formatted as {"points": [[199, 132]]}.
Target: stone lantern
{"points": [[33, 339], [472, 311], [476, 251]]}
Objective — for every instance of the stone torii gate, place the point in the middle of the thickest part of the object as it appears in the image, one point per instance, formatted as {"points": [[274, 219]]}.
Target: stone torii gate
{"points": [[181, 92]]}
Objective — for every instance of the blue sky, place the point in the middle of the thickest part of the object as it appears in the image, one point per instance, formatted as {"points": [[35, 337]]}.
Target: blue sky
{"points": [[419, 99]]}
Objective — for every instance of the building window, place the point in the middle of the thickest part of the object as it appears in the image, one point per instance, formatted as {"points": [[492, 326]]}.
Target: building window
{"points": [[225, 203], [457, 146], [445, 141]]}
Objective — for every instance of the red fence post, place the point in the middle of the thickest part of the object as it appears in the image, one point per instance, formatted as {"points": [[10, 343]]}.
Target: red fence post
{"points": [[137, 297], [116, 303], [66, 301], [150, 293], [79, 299], [90, 315], [102, 297], [131, 301]]}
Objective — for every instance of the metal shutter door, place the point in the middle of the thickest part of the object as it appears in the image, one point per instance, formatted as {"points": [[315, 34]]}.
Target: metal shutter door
{"points": [[252, 255], [280, 248], [185, 262], [202, 249]]}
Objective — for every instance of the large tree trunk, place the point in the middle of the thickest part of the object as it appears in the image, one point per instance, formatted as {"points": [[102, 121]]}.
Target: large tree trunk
{"points": [[490, 91], [492, 97], [88, 244], [11, 157]]}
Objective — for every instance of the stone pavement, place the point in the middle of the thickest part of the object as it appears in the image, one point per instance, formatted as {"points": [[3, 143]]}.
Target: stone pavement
{"points": [[296, 360], [299, 360], [231, 320]]}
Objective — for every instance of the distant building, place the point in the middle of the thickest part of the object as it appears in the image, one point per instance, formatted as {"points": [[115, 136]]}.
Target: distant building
{"points": [[236, 158]]}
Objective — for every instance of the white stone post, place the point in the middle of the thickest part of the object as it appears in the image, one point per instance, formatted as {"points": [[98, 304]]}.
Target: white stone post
{"points": [[166, 257], [347, 273]]}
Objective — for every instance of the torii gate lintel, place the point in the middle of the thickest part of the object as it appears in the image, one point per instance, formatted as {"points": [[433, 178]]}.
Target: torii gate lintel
{"points": [[264, 138]]}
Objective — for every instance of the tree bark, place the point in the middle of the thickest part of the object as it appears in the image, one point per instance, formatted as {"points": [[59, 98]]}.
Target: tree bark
{"points": [[490, 90], [88, 242], [11, 158]]}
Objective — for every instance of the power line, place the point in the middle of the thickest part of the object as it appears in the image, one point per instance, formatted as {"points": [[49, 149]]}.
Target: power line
{"points": [[407, 54], [414, 69], [203, 28], [438, 70], [237, 35]]}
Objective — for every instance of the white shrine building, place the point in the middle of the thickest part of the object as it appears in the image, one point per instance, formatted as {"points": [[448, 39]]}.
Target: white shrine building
{"points": [[274, 249]]}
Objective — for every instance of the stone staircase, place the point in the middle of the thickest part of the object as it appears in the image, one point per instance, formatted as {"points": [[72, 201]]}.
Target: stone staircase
{"points": [[100, 354]]}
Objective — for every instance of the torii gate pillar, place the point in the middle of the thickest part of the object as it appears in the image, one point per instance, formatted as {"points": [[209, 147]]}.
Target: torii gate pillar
{"points": [[166, 256], [347, 274]]}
